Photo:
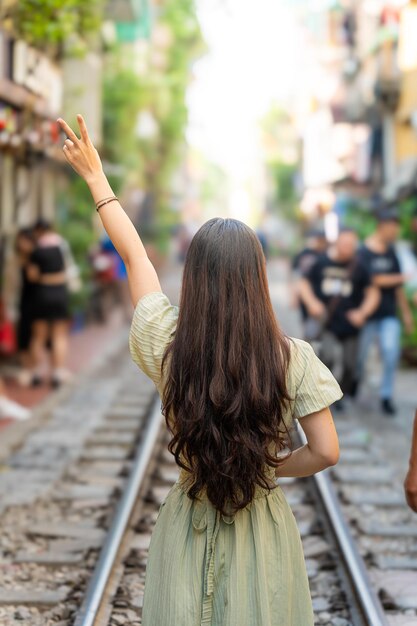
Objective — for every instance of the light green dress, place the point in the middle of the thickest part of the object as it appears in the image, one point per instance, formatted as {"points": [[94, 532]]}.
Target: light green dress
{"points": [[205, 569]]}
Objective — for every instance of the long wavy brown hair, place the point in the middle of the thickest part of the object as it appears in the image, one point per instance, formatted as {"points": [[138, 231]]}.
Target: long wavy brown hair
{"points": [[226, 368]]}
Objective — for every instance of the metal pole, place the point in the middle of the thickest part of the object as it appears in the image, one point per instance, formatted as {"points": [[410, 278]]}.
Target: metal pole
{"points": [[368, 600], [102, 570]]}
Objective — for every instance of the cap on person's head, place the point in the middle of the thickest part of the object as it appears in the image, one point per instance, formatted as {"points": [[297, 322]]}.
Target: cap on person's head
{"points": [[388, 214]]}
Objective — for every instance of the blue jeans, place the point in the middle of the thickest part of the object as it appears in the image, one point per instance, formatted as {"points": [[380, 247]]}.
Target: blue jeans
{"points": [[388, 333]]}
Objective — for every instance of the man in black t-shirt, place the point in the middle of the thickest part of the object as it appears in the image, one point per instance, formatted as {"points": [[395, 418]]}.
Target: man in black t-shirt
{"points": [[379, 256], [338, 291]]}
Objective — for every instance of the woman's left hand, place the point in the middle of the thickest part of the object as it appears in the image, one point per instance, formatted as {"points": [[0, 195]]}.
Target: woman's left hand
{"points": [[80, 153]]}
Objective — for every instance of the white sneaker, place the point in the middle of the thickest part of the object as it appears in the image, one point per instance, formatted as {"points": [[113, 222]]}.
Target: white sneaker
{"points": [[13, 410]]}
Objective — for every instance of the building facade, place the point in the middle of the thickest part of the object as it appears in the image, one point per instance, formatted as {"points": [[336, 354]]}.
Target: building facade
{"points": [[360, 132], [31, 92]]}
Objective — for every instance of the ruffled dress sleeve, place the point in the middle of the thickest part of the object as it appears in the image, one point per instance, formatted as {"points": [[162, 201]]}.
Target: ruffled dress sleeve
{"points": [[153, 326]]}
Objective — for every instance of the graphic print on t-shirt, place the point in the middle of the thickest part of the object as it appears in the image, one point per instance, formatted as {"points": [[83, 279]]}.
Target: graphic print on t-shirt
{"points": [[342, 284], [336, 281]]}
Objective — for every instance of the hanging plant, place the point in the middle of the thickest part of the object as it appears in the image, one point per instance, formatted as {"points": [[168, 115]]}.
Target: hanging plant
{"points": [[50, 24]]}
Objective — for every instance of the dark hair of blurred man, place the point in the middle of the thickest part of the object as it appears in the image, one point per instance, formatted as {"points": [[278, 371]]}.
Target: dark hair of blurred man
{"points": [[379, 256], [338, 291]]}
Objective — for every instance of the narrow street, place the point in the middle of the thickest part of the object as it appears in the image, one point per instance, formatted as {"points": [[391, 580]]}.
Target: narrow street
{"points": [[136, 134]]}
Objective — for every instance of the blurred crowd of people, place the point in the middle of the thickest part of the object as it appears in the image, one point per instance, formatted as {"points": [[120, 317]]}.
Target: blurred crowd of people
{"points": [[109, 281], [351, 295], [48, 275], [46, 266]]}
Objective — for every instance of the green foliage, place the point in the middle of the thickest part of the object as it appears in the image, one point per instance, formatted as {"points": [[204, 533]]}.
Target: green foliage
{"points": [[283, 175], [76, 211], [360, 219], [180, 18], [284, 194], [407, 210], [363, 222], [281, 154], [151, 162], [50, 23], [409, 341], [123, 96]]}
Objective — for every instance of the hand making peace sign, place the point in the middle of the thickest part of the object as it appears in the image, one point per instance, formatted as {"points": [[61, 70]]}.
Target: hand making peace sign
{"points": [[80, 153]]}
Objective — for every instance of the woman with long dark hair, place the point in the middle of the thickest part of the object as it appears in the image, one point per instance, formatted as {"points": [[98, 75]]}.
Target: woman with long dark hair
{"points": [[225, 550]]}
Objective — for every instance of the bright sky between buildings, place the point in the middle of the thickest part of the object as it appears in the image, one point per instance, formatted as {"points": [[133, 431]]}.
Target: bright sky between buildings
{"points": [[252, 61]]}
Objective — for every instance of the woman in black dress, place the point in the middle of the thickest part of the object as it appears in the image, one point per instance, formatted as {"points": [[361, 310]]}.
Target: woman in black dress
{"points": [[50, 304]]}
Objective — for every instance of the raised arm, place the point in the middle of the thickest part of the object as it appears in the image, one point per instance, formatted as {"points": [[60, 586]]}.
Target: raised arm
{"points": [[84, 158]]}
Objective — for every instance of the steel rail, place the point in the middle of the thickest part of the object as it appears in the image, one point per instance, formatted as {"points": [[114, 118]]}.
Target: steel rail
{"points": [[370, 605], [98, 582]]}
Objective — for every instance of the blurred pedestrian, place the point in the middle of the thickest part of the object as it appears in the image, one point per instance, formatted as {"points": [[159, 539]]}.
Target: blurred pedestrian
{"points": [[378, 255], [230, 382], [316, 245], [121, 289], [7, 332], [24, 246], [103, 274], [338, 292], [50, 304], [10, 409], [263, 240], [410, 483]]}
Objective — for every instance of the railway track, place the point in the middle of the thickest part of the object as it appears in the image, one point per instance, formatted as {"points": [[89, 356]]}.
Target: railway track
{"points": [[59, 491], [368, 482], [342, 591]]}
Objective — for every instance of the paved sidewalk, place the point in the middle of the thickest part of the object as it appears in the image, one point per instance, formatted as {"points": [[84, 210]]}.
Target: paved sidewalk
{"points": [[84, 346]]}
